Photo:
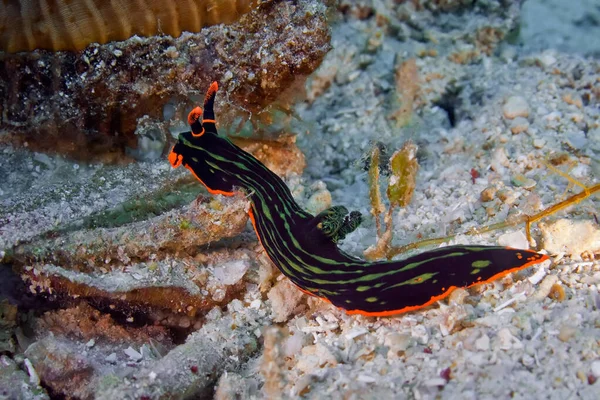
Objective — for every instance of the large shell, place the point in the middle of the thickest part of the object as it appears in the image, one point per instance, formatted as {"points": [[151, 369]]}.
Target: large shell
{"points": [[74, 24]]}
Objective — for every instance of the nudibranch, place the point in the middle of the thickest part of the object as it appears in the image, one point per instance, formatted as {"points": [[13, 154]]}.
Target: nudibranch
{"points": [[304, 246]]}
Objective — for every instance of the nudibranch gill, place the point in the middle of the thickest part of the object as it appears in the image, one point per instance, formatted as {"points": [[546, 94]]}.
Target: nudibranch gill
{"points": [[304, 246]]}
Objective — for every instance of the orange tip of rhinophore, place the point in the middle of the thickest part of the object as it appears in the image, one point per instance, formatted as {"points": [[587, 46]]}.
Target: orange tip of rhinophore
{"points": [[212, 89], [194, 115], [175, 159]]}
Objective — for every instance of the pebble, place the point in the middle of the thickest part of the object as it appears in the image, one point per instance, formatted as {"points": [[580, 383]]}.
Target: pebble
{"points": [[458, 296], [539, 143], [519, 125], [326, 355], [293, 344], [508, 341], [499, 159], [319, 201], [547, 58], [483, 343], [133, 353], [516, 239], [255, 304], [435, 382], [545, 288], [520, 180], [515, 106], [397, 342], [419, 333], [527, 360], [488, 194], [231, 272], [284, 299], [596, 368], [566, 333], [508, 196], [369, 379], [575, 140]]}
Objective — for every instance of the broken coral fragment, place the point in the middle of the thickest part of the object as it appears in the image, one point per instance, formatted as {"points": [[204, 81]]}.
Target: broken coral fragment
{"points": [[203, 221], [170, 292], [190, 369]]}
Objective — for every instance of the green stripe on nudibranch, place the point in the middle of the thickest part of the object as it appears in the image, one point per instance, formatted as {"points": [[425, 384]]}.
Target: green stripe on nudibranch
{"points": [[481, 263], [304, 246]]}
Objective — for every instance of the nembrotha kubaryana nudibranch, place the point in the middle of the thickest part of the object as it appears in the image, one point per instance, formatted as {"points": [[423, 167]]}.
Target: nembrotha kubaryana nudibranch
{"points": [[304, 246]]}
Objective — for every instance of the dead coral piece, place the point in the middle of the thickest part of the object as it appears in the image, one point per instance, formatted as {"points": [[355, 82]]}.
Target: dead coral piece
{"points": [[204, 221], [570, 237], [72, 25], [86, 103], [285, 298], [61, 367], [165, 291], [191, 369]]}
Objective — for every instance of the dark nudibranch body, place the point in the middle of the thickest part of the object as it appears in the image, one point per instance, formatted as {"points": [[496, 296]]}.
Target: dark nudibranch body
{"points": [[303, 246]]}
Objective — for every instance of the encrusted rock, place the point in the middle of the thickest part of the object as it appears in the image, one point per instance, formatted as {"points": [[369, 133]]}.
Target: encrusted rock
{"points": [[90, 102]]}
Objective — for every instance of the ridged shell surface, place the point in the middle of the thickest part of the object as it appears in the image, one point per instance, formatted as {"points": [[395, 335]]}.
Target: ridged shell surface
{"points": [[73, 24]]}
